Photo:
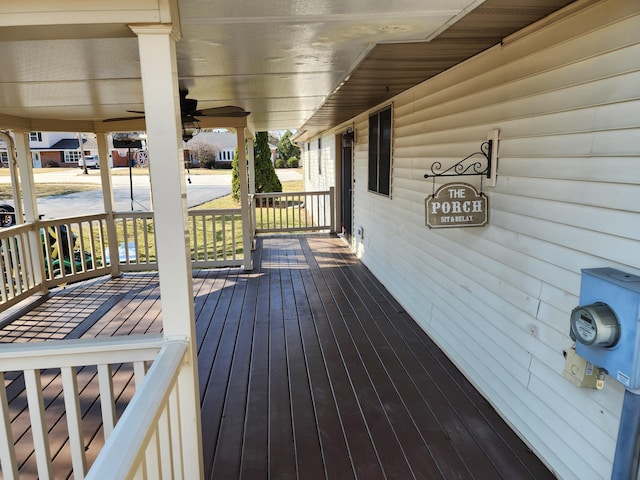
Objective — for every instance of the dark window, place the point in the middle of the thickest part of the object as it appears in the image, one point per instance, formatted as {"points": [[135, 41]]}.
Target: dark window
{"points": [[35, 136], [319, 156], [380, 152]]}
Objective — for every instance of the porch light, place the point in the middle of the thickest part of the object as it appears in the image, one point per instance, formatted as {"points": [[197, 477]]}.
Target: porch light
{"points": [[190, 127]]}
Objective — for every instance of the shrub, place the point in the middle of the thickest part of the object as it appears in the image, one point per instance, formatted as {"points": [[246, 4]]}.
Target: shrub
{"points": [[292, 162], [279, 163], [209, 163]]}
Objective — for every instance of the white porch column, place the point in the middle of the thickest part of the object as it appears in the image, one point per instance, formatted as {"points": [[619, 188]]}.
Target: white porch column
{"points": [[252, 167], [13, 173], [252, 189], [29, 202], [162, 113], [107, 198], [247, 223]]}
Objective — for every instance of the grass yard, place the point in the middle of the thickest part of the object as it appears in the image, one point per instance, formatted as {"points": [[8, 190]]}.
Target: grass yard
{"points": [[229, 202], [213, 236], [48, 189]]}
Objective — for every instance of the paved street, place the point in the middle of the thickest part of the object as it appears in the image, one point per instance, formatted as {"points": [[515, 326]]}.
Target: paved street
{"points": [[201, 189]]}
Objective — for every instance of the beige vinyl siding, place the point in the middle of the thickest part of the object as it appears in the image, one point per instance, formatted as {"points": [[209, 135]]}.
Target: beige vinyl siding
{"points": [[316, 182], [497, 299]]}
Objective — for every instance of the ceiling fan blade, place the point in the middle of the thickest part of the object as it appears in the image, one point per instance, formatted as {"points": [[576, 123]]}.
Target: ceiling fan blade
{"points": [[140, 112], [119, 119], [227, 111]]}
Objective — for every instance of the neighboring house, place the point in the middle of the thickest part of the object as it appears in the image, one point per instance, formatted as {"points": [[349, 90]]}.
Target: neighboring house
{"points": [[564, 96], [223, 142], [59, 149]]}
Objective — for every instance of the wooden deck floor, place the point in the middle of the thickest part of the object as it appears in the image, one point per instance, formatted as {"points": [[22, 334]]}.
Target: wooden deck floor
{"points": [[308, 369]]}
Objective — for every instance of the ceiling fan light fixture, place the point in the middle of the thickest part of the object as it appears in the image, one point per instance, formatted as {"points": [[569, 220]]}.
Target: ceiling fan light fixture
{"points": [[190, 127]]}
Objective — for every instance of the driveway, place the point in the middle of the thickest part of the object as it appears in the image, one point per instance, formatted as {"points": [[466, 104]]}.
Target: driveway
{"points": [[201, 188]]}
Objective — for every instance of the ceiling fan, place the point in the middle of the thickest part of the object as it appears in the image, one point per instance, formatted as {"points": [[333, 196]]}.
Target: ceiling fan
{"points": [[189, 113]]}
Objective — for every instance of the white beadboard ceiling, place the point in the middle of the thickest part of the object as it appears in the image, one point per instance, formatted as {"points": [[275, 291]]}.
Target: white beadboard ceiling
{"points": [[291, 63]]}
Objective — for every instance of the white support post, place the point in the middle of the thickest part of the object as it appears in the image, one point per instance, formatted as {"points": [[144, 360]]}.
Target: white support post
{"points": [[247, 235], [252, 167], [31, 215], [162, 111], [332, 210], [107, 198], [252, 189]]}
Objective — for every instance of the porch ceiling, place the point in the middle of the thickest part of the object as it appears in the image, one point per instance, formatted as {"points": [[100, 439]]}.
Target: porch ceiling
{"points": [[304, 64]]}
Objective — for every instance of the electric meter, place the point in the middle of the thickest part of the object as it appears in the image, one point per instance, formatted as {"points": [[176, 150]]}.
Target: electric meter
{"points": [[595, 325]]}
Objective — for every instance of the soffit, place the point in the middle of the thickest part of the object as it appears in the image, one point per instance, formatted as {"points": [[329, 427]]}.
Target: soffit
{"points": [[390, 69], [289, 62]]}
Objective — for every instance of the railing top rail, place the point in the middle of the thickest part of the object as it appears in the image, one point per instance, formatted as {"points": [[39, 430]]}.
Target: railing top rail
{"points": [[77, 352], [15, 230], [141, 415], [215, 211], [289, 194], [75, 219], [133, 214]]}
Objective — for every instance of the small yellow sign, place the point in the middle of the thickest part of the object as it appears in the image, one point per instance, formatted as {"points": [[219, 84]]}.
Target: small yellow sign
{"points": [[456, 205]]}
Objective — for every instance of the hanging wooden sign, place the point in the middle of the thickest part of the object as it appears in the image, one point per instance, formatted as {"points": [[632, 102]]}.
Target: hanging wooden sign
{"points": [[456, 205]]}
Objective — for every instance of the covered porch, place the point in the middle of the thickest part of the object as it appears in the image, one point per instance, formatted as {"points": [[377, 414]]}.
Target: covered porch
{"points": [[307, 368]]}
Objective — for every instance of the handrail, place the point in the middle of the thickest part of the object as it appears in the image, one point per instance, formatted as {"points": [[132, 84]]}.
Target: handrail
{"points": [[36, 358], [125, 454], [65, 353]]}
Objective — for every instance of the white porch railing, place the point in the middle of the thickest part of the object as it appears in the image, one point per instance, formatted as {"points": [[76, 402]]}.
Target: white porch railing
{"points": [[215, 236], [21, 275], [150, 421], [50, 253], [73, 248], [294, 212], [136, 241], [147, 441]]}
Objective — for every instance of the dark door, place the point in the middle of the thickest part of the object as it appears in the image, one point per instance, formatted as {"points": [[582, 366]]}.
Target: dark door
{"points": [[347, 185]]}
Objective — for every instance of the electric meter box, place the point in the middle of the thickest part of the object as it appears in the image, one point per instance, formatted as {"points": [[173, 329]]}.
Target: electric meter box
{"points": [[606, 324]]}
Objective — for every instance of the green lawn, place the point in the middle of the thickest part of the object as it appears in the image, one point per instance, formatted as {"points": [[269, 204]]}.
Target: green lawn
{"points": [[48, 189]]}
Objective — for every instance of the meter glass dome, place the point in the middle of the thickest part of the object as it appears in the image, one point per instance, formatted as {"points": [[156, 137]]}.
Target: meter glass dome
{"points": [[595, 324]]}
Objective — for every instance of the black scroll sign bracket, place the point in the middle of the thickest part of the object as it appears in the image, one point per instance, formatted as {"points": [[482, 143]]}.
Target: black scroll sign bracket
{"points": [[468, 165]]}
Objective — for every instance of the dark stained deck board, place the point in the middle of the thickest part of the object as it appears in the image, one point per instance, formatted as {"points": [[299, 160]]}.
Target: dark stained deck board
{"points": [[419, 395], [420, 435], [228, 456], [308, 369], [514, 460], [255, 440], [320, 447], [343, 384]]}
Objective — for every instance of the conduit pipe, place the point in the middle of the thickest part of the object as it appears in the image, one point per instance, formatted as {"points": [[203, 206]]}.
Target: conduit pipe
{"points": [[626, 460]]}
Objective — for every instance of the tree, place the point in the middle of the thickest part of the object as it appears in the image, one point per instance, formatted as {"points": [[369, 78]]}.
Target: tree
{"points": [[286, 149], [266, 178], [235, 178], [204, 152]]}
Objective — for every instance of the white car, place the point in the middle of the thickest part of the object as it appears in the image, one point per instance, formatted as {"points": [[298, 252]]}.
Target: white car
{"points": [[92, 162]]}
